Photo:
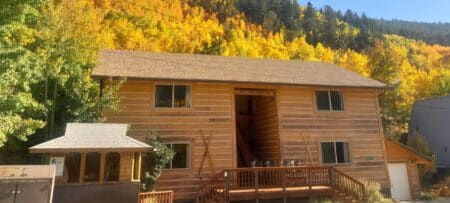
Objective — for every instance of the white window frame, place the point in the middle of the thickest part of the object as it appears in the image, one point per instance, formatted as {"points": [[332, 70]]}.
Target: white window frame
{"points": [[329, 100], [188, 156], [335, 153], [173, 96]]}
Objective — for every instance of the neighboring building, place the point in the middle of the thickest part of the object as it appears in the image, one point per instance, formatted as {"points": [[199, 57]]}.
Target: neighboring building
{"points": [[403, 172], [431, 119], [27, 183], [225, 114], [95, 163]]}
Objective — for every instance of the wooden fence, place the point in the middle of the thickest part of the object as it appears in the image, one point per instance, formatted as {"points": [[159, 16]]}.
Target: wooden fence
{"points": [[156, 197]]}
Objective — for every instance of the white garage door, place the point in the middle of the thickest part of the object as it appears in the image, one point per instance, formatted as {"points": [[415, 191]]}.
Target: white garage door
{"points": [[399, 181]]}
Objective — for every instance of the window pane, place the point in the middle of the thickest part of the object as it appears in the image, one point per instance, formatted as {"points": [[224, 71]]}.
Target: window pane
{"points": [[72, 167], [181, 156], [322, 100], [328, 152], [112, 166], [336, 100], [92, 168], [342, 153], [182, 96], [163, 96], [136, 166]]}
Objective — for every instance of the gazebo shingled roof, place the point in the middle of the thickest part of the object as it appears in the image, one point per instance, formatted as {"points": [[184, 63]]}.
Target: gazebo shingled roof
{"points": [[83, 137]]}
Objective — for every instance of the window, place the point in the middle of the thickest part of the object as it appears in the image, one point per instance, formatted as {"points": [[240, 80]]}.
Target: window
{"points": [[172, 96], [329, 100], [136, 160], [72, 167], [335, 152], [181, 157], [112, 166], [92, 168]]}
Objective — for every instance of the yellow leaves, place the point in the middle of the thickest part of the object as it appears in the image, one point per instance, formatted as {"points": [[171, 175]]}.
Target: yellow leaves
{"points": [[127, 36], [355, 61], [300, 49], [322, 53]]}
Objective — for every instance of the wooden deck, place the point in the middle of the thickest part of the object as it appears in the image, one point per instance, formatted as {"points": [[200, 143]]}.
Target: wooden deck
{"points": [[278, 182]]}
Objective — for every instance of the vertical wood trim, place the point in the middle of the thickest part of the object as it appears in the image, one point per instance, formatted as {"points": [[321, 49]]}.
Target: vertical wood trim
{"points": [[281, 137], [380, 126], [102, 167], [233, 128], [132, 166], [82, 167], [140, 166]]}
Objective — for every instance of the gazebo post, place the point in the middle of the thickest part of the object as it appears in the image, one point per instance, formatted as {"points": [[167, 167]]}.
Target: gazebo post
{"points": [[82, 167], [102, 166]]}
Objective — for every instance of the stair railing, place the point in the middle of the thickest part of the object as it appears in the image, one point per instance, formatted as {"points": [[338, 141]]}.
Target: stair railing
{"points": [[346, 184], [259, 178]]}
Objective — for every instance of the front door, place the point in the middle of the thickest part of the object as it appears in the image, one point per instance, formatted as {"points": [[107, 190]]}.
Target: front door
{"points": [[399, 181]]}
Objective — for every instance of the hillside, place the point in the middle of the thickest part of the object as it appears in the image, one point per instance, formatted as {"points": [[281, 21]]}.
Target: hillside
{"points": [[48, 49]]}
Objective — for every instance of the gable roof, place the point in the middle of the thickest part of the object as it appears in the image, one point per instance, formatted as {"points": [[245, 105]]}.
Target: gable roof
{"points": [[92, 137], [397, 152], [194, 67]]}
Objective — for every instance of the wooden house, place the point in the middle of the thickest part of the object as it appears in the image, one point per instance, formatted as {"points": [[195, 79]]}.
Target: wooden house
{"points": [[252, 128]]}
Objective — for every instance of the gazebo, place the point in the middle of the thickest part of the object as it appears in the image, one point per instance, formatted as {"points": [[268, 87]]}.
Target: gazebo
{"points": [[94, 153]]}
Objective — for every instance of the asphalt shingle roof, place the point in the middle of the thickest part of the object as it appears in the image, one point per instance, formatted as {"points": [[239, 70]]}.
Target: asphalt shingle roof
{"points": [[92, 137], [194, 67]]}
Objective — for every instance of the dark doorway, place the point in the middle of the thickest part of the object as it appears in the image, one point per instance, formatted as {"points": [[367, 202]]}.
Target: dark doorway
{"points": [[257, 139]]}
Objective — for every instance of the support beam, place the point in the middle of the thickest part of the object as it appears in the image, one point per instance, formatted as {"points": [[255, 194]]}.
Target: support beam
{"points": [[102, 167], [82, 167]]}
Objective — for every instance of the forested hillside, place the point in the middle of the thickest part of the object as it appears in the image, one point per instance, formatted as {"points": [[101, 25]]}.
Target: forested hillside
{"points": [[48, 48]]}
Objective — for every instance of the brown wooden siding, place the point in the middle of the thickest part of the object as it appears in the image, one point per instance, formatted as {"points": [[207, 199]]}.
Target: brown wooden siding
{"points": [[213, 113], [126, 166], [266, 129], [358, 124]]}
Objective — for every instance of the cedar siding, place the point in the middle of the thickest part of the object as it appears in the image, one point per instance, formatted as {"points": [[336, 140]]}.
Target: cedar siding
{"points": [[358, 125], [212, 111]]}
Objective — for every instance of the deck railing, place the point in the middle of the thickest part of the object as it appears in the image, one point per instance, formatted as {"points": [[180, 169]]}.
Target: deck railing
{"points": [[279, 179], [156, 197]]}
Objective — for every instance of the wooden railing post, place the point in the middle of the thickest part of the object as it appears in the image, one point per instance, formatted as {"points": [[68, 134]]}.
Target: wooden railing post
{"points": [[227, 185], [257, 185], [308, 179], [283, 183]]}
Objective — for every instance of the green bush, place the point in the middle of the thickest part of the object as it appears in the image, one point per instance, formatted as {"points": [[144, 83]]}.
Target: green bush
{"points": [[373, 195], [425, 196], [155, 161]]}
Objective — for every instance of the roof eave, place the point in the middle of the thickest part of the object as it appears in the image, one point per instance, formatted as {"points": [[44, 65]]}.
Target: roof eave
{"points": [[85, 150], [101, 76]]}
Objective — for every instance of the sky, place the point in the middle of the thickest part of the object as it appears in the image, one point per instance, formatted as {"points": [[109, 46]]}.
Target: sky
{"points": [[410, 10]]}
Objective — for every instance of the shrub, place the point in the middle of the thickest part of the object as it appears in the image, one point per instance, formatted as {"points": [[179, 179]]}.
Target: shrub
{"points": [[425, 196], [155, 160], [373, 195]]}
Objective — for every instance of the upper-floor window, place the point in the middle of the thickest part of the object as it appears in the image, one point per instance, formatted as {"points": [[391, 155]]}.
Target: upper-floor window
{"points": [[181, 158], [335, 152], [172, 96], [329, 100]]}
